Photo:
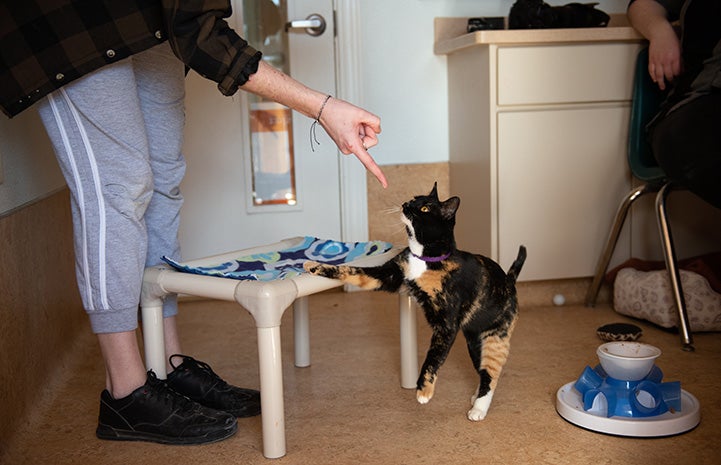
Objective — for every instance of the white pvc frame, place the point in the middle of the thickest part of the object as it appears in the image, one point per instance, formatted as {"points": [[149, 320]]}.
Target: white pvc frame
{"points": [[266, 301]]}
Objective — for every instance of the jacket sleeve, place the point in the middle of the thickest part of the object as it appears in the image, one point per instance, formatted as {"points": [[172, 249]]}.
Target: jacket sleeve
{"points": [[205, 42]]}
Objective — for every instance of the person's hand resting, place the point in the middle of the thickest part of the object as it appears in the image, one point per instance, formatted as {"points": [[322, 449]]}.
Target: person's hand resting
{"points": [[664, 57], [650, 18]]}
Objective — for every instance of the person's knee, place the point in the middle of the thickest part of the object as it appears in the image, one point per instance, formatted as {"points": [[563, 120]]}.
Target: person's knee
{"points": [[667, 154], [131, 198]]}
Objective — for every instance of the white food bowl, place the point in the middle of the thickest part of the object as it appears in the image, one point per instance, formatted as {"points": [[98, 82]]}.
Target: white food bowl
{"points": [[626, 360]]}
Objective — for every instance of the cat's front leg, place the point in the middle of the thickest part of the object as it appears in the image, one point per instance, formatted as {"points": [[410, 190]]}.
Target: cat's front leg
{"points": [[386, 277], [441, 343], [426, 387], [348, 274]]}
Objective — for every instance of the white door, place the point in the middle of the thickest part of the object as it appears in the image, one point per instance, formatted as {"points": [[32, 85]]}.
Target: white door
{"points": [[252, 176]]}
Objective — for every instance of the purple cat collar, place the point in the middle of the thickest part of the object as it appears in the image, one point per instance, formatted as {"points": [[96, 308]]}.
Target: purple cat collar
{"points": [[432, 259]]}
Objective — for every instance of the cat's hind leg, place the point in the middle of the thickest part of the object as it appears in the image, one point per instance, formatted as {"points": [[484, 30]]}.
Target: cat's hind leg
{"points": [[489, 355]]}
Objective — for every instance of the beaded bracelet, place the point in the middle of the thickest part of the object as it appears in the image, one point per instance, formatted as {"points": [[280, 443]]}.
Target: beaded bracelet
{"points": [[315, 123]]}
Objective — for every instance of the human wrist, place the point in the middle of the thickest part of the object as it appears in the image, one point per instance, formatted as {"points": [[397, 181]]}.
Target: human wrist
{"points": [[317, 117], [324, 102]]}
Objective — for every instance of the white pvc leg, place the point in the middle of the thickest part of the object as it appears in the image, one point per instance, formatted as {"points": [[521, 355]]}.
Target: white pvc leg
{"points": [[271, 392], [301, 332], [409, 341], [153, 338]]}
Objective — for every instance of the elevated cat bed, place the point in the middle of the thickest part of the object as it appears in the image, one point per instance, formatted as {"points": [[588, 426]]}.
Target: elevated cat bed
{"points": [[288, 262], [265, 281]]}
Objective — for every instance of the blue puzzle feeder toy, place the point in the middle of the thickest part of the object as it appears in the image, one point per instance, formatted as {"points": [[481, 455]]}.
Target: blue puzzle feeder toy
{"points": [[627, 383], [625, 395]]}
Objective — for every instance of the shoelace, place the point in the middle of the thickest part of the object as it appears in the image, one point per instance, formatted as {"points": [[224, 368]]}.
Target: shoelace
{"points": [[199, 368], [160, 390]]}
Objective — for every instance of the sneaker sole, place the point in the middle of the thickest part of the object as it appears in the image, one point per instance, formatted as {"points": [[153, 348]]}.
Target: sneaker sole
{"points": [[113, 434]]}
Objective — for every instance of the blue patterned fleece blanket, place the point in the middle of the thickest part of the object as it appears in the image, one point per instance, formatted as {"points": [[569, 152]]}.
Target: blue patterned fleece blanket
{"points": [[281, 264]]}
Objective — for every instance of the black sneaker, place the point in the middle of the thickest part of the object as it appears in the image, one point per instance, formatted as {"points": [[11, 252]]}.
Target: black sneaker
{"points": [[156, 413], [199, 382]]}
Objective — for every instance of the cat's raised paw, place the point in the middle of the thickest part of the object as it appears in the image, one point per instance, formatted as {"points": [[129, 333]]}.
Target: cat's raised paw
{"points": [[321, 269], [312, 267]]}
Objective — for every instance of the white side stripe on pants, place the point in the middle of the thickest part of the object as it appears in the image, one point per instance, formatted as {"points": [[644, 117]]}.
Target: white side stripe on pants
{"points": [[81, 199]]}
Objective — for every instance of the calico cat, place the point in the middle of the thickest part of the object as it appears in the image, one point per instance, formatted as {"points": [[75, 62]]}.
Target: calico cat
{"points": [[457, 291]]}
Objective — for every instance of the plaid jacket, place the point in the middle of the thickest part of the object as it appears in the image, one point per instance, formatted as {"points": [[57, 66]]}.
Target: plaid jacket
{"points": [[45, 44]]}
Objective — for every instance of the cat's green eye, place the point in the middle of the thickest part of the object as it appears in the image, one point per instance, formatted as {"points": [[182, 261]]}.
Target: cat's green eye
{"points": [[425, 209]]}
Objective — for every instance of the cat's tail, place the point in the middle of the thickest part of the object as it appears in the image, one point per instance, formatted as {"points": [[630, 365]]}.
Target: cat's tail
{"points": [[515, 269]]}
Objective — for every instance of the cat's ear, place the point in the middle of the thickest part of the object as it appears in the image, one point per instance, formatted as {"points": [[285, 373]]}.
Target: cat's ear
{"points": [[434, 192], [450, 207]]}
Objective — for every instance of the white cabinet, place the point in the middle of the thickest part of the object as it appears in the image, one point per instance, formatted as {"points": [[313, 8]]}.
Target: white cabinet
{"points": [[538, 149], [562, 219]]}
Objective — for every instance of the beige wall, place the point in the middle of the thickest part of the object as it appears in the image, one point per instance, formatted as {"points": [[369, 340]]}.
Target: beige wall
{"points": [[404, 182], [40, 310]]}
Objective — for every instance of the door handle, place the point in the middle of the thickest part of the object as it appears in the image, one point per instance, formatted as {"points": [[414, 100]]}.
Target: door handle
{"points": [[314, 25]]}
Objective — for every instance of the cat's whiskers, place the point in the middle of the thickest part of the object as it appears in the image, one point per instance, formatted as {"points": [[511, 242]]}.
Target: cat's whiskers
{"points": [[397, 226], [400, 229], [391, 210]]}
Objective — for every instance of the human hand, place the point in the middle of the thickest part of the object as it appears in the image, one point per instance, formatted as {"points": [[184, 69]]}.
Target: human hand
{"points": [[664, 58], [353, 130]]}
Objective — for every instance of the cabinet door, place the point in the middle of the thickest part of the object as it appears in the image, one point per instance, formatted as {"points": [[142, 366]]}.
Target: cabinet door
{"points": [[562, 173]]}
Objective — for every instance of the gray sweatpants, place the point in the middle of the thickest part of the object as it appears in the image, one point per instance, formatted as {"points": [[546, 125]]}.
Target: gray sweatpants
{"points": [[117, 135]]}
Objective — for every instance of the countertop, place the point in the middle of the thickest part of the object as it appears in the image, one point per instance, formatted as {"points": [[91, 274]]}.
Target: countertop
{"points": [[450, 35]]}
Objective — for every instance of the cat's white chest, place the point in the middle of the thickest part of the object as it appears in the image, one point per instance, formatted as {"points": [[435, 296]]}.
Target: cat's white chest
{"points": [[416, 267]]}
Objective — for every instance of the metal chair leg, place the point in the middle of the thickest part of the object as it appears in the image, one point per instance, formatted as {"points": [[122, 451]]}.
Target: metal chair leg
{"points": [[673, 272], [605, 257]]}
